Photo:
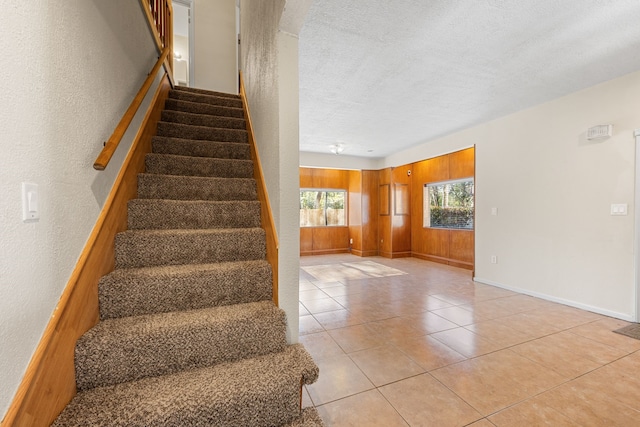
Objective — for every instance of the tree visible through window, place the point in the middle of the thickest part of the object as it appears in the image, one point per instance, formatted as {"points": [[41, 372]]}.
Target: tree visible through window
{"points": [[322, 208], [449, 204]]}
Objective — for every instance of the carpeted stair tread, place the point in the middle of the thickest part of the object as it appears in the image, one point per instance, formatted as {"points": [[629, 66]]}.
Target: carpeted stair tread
{"points": [[137, 291], [188, 333], [171, 164], [200, 108], [147, 248], [203, 120], [259, 392], [179, 130], [308, 418], [207, 92], [199, 148], [130, 348], [154, 186], [223, 101], [162, 214]]}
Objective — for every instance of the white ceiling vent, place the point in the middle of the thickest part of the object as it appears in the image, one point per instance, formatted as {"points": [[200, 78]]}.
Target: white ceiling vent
{"points": [[600, 132]]}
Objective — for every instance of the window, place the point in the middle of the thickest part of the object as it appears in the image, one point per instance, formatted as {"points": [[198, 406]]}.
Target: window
{"points": [[322, 208], [449, 204]]}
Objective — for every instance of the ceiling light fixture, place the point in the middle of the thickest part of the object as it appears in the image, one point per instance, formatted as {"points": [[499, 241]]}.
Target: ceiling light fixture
{"points": [[336, 148]]}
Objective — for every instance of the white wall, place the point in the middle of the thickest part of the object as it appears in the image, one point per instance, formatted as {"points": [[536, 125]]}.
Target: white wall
{"points": [[322, 160], [270, 70], [181, 67], [71, 70], [554, 236], [216, 46]]}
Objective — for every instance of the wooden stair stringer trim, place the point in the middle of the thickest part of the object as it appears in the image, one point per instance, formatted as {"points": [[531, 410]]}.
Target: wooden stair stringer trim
{"points": [[49, 380], [266, 215]]}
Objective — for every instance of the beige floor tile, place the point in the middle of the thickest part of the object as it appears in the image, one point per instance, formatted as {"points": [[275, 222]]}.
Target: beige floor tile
{"points": [[312, 295], [559, 318], [337, 319], [587, 406], [336, 291], [524, 322], [495, 381], [454, 298], [531, 362], [328, 285], [482, 423], [423, 401], [355, 338], [489, 309], [619, 380], [602, 331], [309, 325], [302, 310], [498, 332], [429, 353], [383, 365], [459, 315], [522, 303], [432, 303], [369, 409], [306, 399], [322, 305], [568, 354], [531, 414], [466, 342], [394, 330], [307, 286], [429, 323], [340, 378], [321, 346]]}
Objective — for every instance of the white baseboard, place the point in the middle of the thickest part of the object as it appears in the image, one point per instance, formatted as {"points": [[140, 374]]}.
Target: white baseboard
{"points": [[622, 316]]}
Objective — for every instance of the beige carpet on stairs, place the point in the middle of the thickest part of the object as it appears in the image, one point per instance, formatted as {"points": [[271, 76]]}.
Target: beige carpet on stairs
{"points": [[188, 334]]}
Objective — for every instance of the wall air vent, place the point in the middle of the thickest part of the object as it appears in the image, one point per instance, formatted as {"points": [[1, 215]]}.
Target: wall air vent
{"points": [[599, 132]]}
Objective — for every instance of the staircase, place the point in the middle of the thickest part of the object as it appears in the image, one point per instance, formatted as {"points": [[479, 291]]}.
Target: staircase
{"points": [[189, 335]]}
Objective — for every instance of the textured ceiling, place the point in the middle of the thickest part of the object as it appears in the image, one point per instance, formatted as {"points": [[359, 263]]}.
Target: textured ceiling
{"points": [[382, 75]]}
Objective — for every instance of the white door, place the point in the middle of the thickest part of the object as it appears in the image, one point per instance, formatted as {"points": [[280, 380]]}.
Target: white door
{"points": [[183, 36]]}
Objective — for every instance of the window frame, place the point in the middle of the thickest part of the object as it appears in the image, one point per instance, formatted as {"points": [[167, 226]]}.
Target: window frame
{"points": [[426, 208], [328, 190]]}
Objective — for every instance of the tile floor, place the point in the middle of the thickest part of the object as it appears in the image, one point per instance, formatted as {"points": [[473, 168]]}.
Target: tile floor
{"points": [[407, 342]]}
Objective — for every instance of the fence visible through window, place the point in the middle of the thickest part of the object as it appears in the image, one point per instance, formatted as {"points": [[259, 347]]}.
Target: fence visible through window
{"points": [[322, 208]]}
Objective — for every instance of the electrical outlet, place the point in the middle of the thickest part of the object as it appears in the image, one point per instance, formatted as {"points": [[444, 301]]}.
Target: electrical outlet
{"points": [[494, 259], [351, 241]]}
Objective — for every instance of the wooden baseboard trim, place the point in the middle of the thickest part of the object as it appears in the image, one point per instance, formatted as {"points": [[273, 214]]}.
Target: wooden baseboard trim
{"points": [[49, 381], [325, 252], [364, 254], [442, 260]]}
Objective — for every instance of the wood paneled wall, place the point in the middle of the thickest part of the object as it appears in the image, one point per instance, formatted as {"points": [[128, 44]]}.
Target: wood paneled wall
{"points": [[385, 212], [394, 212], [369, 209], [453, 247], [324, 240]]}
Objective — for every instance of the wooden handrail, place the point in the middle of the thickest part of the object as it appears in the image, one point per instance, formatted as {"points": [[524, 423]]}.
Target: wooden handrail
{"points": [[159, 14], [112, 143]]}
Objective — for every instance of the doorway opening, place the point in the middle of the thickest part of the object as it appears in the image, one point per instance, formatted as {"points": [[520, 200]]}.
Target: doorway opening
{"points": [[183, 36]]}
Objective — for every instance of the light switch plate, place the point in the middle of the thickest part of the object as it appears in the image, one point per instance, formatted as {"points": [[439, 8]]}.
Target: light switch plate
{"points": [[619, 209], [30, 202]]}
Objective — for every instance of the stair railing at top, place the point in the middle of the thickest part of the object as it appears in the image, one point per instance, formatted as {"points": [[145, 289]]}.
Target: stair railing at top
{"points": [[159, 15]]}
